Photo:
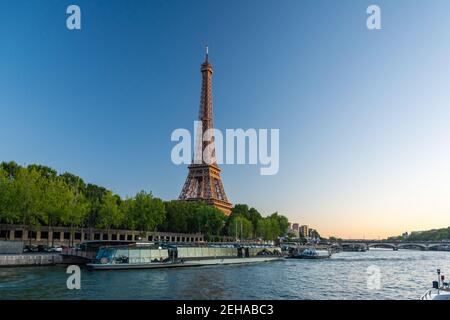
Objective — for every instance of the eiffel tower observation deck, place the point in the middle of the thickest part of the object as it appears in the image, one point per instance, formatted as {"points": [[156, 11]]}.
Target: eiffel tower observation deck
{"points": [[203, 182]]}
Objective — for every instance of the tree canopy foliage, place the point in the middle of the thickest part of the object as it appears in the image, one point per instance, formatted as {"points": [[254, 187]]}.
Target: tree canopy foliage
{"points": [[429, 235], [37, 195], [247, 223]]}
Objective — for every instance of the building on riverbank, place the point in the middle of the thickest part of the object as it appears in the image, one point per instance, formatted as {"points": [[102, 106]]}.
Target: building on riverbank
{"points": [[304, 231]]}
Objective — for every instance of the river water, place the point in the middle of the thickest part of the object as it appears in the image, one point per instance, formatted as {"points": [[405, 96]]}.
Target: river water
{"points": [[376, 274]]}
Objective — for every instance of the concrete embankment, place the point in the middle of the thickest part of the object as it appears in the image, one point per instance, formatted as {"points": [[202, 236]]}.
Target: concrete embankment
{"points": [[30, 259]]}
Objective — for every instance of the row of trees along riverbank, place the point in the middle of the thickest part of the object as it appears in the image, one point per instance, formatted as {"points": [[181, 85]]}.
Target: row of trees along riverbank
{"points": [[428, 235], [37, 195]]}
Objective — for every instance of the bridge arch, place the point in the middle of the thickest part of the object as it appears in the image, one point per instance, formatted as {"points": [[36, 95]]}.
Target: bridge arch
{"points": [[437, 245], [382, 245], [417, 245]]}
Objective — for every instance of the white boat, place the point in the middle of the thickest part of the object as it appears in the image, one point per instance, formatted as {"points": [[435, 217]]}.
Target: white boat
{"points": [[440, 290], [312, 253], [433, 295]]}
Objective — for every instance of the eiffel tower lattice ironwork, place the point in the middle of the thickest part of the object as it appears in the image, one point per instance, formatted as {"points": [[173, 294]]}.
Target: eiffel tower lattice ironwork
{"points": [[203, 182]]}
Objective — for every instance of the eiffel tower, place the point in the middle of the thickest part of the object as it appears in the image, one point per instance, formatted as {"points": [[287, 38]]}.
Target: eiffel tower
{"points": [[203, 182]]}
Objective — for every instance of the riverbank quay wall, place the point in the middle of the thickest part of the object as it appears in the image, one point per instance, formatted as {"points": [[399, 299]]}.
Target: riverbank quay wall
{"points": [[30, 259], [63, 236]]}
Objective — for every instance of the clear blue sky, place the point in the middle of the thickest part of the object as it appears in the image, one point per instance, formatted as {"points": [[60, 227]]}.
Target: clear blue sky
{"points": [[363, 115]]}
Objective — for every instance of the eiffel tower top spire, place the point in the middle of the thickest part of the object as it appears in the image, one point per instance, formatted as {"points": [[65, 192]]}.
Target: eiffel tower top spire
{"points": [[206, 65], [206, 109]]}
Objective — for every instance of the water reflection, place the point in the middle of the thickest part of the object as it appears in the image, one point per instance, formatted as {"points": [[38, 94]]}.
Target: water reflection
{"points": [[403, 275]]}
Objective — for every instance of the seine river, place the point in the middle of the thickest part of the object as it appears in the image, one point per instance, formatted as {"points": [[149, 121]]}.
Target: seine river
{"points": [[376, 274]]}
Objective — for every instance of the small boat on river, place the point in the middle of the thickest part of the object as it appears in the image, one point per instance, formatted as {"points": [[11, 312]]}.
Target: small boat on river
{"points": [[440, 290], [311, 253]]}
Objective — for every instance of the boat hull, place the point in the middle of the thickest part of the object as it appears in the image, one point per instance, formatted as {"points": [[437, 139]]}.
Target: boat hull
{"points": [[312, 258], [187, 263], [436, 295]]}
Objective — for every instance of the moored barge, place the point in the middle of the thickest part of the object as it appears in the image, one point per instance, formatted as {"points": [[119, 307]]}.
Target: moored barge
{"points": [[152, 256]]}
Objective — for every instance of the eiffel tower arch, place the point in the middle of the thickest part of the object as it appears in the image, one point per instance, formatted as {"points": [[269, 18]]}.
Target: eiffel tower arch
{"points": [[203, 182]]}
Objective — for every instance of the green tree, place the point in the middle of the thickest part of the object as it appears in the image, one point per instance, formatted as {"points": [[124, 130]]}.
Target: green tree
{"points": [[268, 229], [240, 210], [94, 195], [11, 168], [74, 182], [110, 214], [282, 223], [240, 227], [45, 172], [211, 221], [254, 216], [78, 208], [126, 207], [177, 216], [148, 213], [315, 234], [54, 201], [8, 207], [194, 222], [28, 190], [37, 195]]}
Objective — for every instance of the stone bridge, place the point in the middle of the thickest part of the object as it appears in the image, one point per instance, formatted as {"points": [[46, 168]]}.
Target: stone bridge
{"points": [[395, 245]]}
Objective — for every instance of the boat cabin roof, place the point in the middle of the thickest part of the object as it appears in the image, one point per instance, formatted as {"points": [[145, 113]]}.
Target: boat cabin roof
{"points": [[106, 243]]}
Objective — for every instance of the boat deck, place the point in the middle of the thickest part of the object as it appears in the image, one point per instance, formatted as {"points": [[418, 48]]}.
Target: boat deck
{"points": [[180, 264]]}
